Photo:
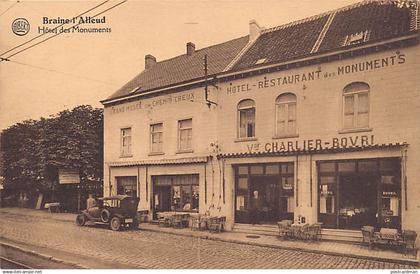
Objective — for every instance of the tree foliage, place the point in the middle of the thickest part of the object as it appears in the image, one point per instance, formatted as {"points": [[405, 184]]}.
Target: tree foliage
{"points": [[34, 150]]}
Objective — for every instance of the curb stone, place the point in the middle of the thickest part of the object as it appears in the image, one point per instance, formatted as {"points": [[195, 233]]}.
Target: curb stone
{"points": [[42, 255], [332, 253]]}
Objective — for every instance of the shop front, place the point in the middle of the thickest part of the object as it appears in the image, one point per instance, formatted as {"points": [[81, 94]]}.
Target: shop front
{"points": [[355, 193], [178, 193], [266, 188]]}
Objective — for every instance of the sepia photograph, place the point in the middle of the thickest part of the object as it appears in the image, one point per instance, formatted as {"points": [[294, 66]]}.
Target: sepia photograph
{"points": [[241, 135]]}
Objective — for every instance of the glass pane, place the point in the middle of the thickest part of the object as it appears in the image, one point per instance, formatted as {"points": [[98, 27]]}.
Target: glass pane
{"points": [[272, 169], [292, 112], [327, 180], [287, 168], [389, 165], [348, 121], [195, 197], [287, 183], [368, 166], [363, 102], [288, 97], [185, 123], [281, 128], [347, 167], [243, 183], [157, 127], [327, 167], [363, 120], [241, 202], [242, 123], [349, 104], [176, 198], [257, 170], [246, 104], [242, 170], [291, 127], [186, 198], [327, 199], [281, 112]]}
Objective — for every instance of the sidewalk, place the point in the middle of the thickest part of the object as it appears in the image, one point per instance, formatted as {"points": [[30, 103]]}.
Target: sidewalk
{"points": [[322, 247]]}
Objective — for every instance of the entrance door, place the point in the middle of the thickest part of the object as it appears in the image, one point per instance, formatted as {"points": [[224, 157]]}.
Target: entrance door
{"points": [[268, 196], [358, 203], [161, 199]]}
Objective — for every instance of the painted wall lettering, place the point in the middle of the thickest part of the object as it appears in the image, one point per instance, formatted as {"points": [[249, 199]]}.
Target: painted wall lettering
{"points": [[289, 79], [152, 103], [312, 144]]}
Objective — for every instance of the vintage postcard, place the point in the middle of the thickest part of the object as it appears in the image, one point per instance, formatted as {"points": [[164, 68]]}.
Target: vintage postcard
{"points": [[274, 134]]}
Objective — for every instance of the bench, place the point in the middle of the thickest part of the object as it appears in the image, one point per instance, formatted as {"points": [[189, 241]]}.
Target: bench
{"points": [[52, 207]]}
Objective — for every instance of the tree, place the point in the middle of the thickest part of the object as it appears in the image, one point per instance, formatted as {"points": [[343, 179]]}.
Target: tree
{"points": [[34, 150]]}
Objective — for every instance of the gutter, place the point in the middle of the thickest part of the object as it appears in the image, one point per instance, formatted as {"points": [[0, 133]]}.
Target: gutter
{"points": [[257, 70]]}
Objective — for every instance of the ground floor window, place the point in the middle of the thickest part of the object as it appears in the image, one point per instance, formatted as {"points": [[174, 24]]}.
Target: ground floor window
{"points": [[127, 185], [354, 193], [176, 193], [264, 193]]}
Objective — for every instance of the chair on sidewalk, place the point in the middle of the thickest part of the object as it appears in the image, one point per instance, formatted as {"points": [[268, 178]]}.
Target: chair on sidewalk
{"points": [[284, 228], [314, 232], [409, 241], [368, 235], [216, 224]]}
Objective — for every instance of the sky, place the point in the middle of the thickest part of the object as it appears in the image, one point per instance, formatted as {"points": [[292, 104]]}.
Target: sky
{"points": [[74, 69]]}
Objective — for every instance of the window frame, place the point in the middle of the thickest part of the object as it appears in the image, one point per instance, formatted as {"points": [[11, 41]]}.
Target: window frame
{"points": [[189, 149], [287, 104], [238, 127], [124, 153], [151, 134], [356, 113]]}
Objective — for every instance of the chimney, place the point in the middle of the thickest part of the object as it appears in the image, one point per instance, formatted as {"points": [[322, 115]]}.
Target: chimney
{"points": [[254, 30], [190, 48], [149, 61]]}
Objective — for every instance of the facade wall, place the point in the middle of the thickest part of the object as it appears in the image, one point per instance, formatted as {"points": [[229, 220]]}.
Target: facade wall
{"points": [[394, 116]]}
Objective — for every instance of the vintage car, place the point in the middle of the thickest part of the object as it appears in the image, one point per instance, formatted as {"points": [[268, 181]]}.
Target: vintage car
{"points": [[117, 211]]}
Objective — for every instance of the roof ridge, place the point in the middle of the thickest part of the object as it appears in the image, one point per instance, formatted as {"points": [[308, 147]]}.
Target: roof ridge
{"points": [[215, 45], [317, 16]]}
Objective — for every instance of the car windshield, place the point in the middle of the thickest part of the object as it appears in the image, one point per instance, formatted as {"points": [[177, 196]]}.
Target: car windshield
{"points": [[112, 203]]}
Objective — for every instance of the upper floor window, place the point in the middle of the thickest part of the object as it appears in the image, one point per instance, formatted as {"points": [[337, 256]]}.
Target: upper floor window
{"points": [[156, 138], [246, 117], [286, 114], [126, 142], [185, 135], [356, 106]]}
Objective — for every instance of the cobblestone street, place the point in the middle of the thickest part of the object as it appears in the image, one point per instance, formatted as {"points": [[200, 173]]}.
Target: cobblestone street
{"points": [[145, 249]]}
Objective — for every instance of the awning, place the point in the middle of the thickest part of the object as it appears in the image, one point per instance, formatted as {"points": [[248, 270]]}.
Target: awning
{"points": [[310, 151], [178, 161]]}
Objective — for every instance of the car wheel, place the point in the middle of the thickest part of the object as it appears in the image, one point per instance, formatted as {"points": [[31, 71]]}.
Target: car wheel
{"points": [[105, 215], [80, 220], [115, 224]]}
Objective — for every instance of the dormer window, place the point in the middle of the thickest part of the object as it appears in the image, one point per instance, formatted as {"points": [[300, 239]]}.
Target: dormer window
{"points": [[260, 61], [356, 38]]}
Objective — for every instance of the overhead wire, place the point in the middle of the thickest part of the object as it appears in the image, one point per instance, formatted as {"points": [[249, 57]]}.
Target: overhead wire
{"points": [[55, 35], [62, 72], [11, 6], [36, 37]]}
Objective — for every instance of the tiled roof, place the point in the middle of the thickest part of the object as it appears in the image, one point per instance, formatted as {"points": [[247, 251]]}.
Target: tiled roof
{"points": [[184, 67], [377, 20], [381, 20], [283, 43]]}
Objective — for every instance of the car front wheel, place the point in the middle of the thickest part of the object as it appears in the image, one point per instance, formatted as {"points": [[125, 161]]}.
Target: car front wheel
{"points": [[81, 220], [115, 223]]}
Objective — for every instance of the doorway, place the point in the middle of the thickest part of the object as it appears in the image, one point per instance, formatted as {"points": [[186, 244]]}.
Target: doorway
{"points": [[267, 191]]}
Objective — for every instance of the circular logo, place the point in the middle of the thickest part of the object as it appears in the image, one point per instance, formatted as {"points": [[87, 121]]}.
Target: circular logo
{"points": [[20, 26]]}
